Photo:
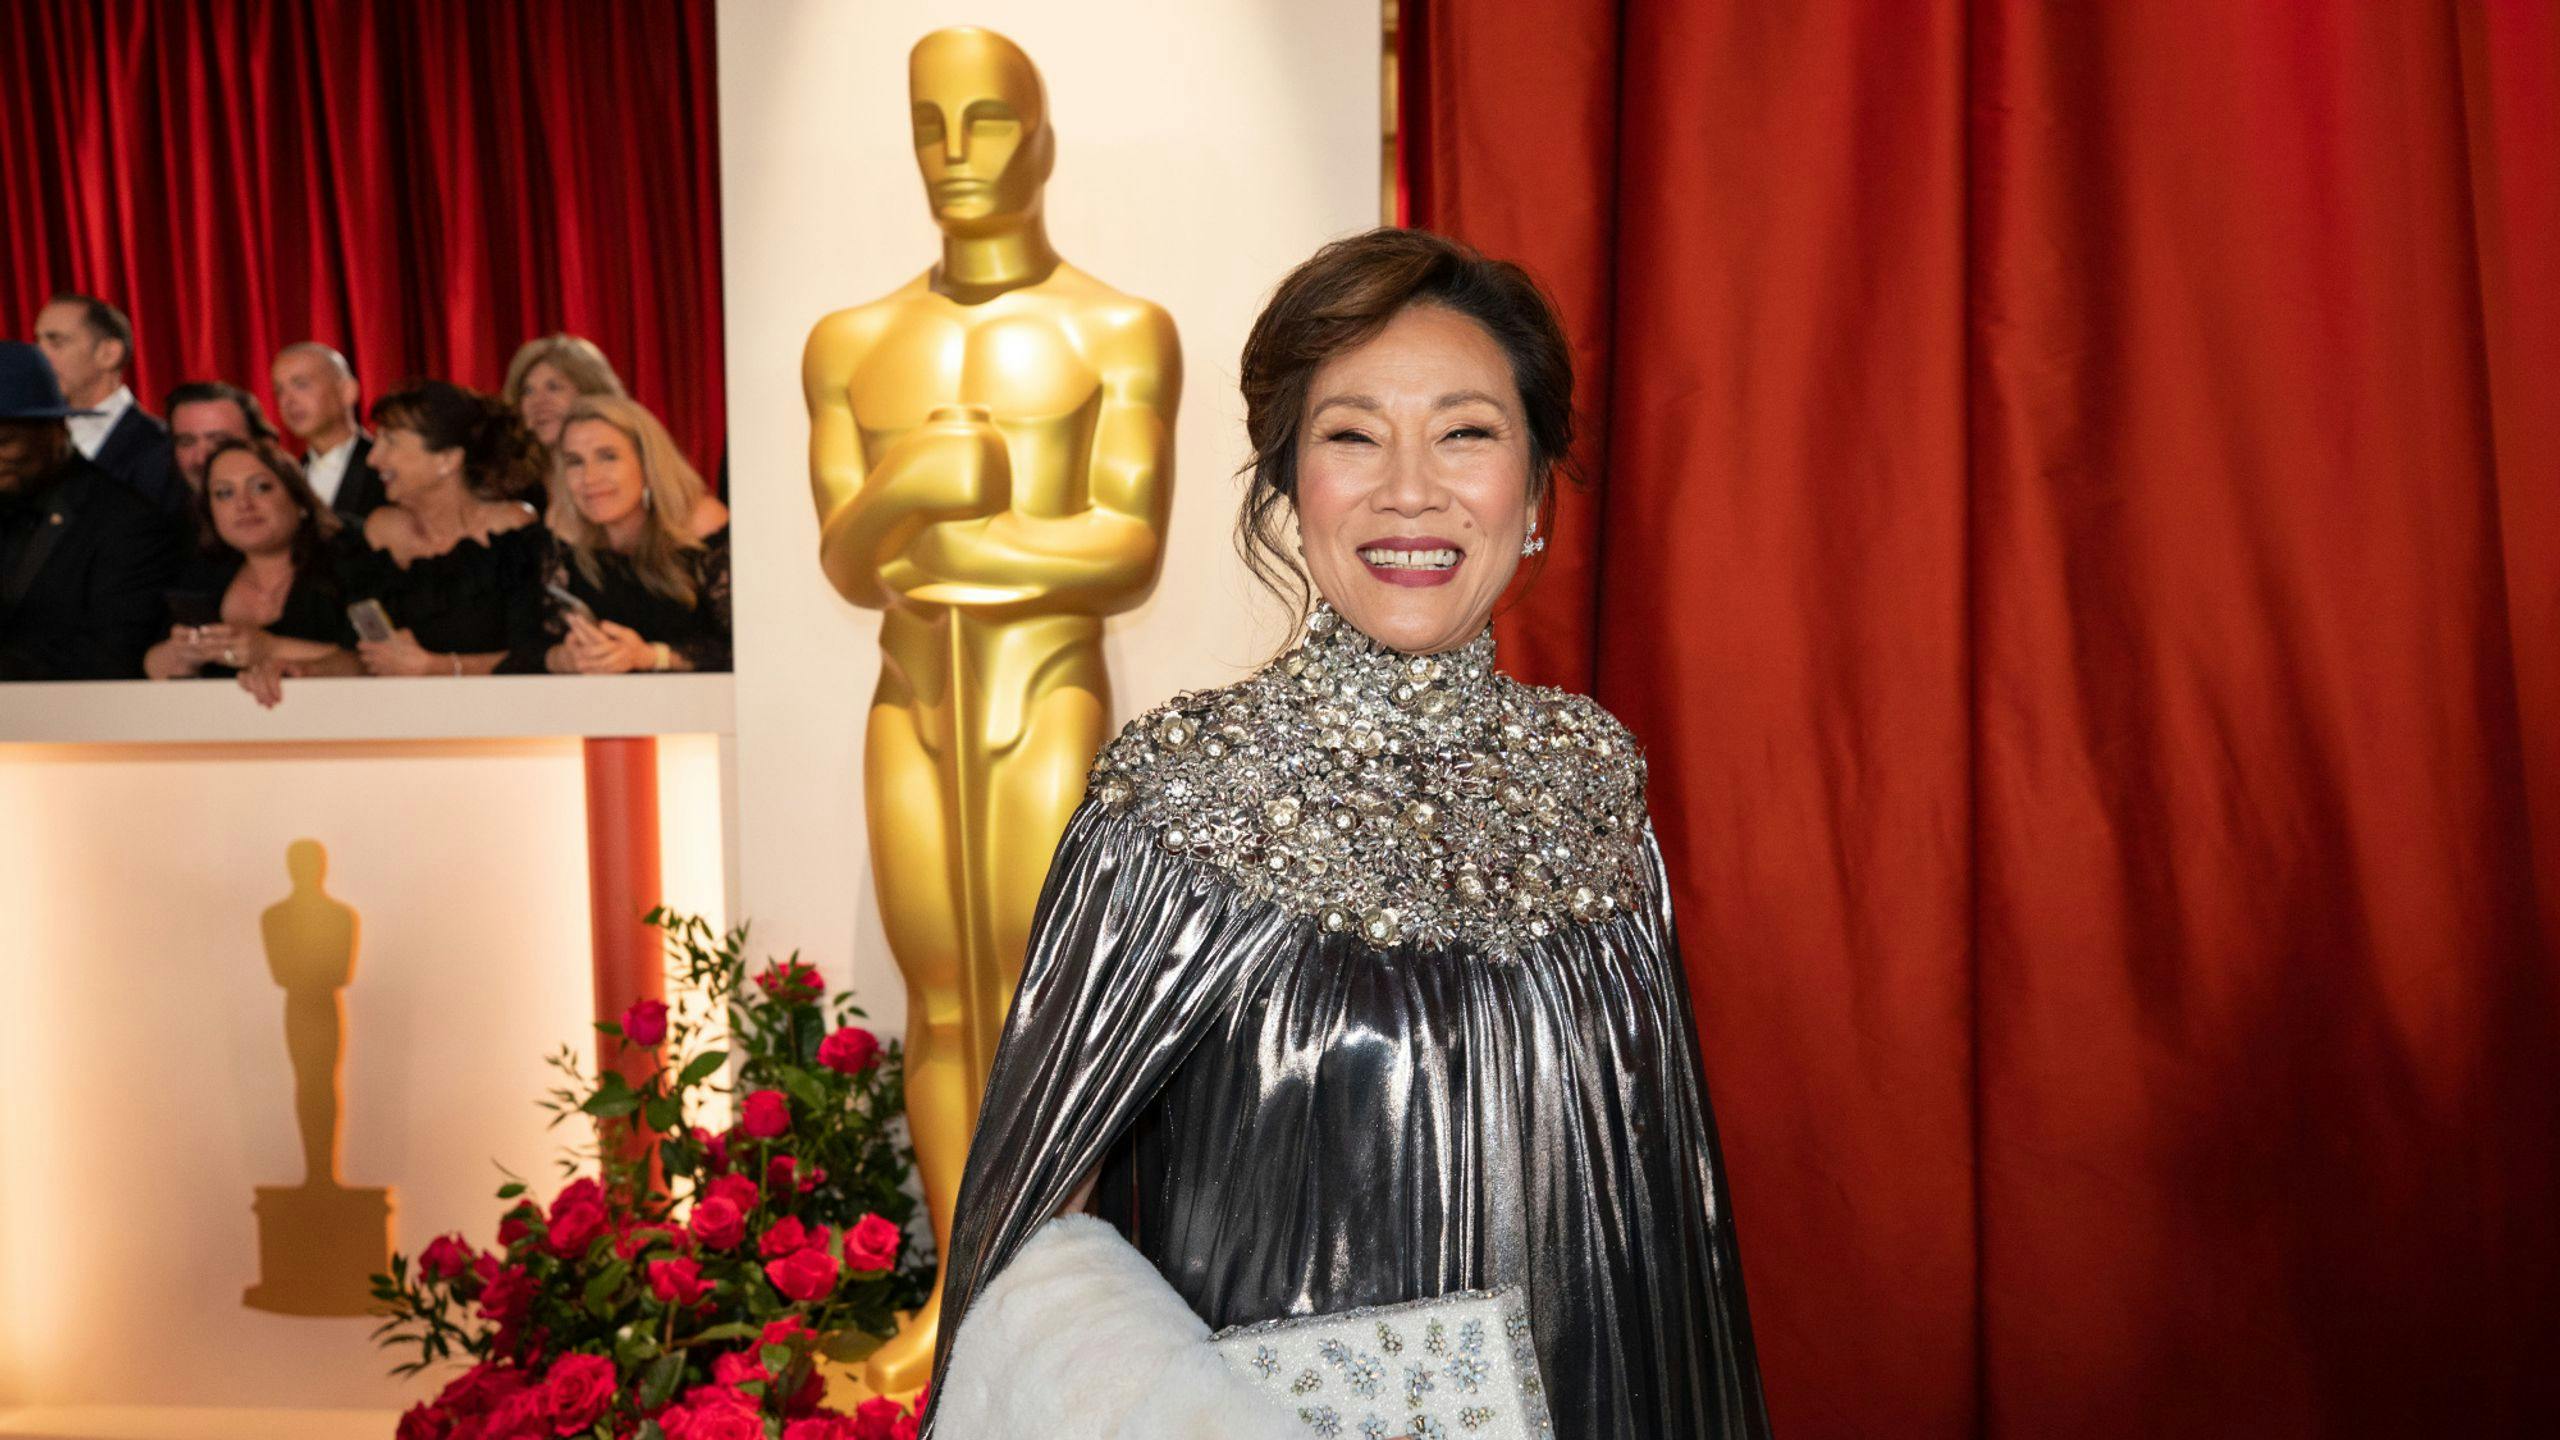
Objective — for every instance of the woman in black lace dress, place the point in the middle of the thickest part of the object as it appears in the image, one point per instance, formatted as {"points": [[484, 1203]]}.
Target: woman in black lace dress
{"points": [[261, 597], [455, 564], [640, 551]]}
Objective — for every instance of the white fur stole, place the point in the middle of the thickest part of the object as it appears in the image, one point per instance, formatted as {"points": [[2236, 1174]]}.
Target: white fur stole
{"points": [[1080, 1339]]}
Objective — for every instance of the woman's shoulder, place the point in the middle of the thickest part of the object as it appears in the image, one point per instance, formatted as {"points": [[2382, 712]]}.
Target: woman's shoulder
{"points": [[1580, 733], [388, 528], [1170, 728]]}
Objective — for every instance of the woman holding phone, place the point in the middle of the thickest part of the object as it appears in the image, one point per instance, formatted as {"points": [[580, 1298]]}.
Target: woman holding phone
{"points": [[262, 596], [639, 570], [453, 561]]}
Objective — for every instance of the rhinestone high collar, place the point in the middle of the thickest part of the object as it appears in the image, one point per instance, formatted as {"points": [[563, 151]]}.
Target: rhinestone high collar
{"points": [[1406, 799]]}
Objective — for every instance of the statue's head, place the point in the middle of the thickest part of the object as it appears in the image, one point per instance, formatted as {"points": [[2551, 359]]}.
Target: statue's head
{"points": [[306, 862], [981, 130]]}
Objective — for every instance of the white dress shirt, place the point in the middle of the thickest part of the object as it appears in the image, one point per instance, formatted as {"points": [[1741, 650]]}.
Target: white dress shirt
{"points": [[328, 470], [88, 432]]}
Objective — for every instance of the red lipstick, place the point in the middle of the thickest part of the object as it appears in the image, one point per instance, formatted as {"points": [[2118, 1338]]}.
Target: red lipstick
{"points": [[1410, 573]]}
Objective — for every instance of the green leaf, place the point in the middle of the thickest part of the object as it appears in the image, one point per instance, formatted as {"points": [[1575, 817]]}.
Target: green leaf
{"points": [[732, 1331], [634, 1343], [702, 1066], [599, 1295], [774, 1358], [649, 1430], [605, 1105], [658, 1385], [663, 1113], [511, 1190], [804, 1087]]}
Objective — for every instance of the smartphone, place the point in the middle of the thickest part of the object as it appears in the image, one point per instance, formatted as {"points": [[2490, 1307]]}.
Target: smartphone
{"points": [[194, 607], [570, 603], [372, 622]]}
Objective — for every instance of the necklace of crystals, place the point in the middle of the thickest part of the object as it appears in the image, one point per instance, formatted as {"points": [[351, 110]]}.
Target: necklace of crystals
{"points": [[1410, 799]]}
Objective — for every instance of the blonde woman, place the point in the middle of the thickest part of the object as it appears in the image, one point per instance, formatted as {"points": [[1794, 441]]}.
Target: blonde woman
{"points": [[639, 574], [549, 375]]}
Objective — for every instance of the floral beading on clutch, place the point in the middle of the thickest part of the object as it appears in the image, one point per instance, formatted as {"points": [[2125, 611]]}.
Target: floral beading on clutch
{"points": [[1456, 1367]]}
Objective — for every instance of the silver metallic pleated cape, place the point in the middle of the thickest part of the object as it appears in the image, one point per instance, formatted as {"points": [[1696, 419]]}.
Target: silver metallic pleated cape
{"points": [[1356, 983]]}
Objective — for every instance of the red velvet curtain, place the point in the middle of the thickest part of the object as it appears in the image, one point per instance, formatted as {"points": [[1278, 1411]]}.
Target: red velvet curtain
{"points": [[424, 183], [2078, 531]]}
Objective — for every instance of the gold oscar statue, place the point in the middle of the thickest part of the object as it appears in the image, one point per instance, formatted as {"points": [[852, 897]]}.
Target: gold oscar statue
{"points": [[991, 452], [318, 1242]]}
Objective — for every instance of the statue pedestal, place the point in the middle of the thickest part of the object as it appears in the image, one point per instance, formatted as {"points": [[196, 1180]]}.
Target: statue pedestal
{"points": [[318, 1248]]}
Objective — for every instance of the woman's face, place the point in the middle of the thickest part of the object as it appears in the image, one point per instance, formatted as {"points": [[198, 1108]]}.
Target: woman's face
{"points": [[252, 511], [544, 403], [407, 467], [601, 467], [1413, 480]]}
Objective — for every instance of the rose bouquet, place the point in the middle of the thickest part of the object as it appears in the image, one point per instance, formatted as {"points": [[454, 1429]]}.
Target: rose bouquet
{"points": [[700, 1307]]}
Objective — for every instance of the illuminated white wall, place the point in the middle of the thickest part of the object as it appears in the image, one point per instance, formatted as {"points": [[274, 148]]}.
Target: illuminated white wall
{"points": [[1203, 149], [147, 1088]]}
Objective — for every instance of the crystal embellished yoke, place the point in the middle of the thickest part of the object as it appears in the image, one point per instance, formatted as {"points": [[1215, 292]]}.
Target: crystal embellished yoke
{"points": [[1418, 799]]}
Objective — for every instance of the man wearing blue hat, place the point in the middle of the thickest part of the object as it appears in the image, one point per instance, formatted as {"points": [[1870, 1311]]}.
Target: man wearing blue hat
{"points": [[85, 563]]}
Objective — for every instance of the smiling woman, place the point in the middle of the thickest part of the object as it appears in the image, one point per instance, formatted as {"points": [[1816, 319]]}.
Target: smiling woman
{"points": [[1412, 402], [1354, 984], [639, 570]]}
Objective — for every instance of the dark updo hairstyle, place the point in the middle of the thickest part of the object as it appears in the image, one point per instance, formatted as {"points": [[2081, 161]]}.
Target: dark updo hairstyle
{"points": [[501, 459], [311, 533], [1337, 301]]}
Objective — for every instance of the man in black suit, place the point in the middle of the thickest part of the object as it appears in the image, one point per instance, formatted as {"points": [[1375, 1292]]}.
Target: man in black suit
{"points": [[203, 414], [89, 343], [316, 393], [85, 564]]}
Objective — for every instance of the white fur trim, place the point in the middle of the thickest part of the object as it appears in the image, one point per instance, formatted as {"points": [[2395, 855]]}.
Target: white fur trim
{"points": [[1080, 1339]]}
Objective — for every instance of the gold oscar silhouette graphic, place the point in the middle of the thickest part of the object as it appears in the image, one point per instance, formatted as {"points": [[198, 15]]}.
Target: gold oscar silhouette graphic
{"points": [[318, 1242], [991, 454]]}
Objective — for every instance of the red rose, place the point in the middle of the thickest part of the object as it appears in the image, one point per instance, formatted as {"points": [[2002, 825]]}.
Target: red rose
{"points": [[645, 1023], [447, 1257], [778, 1173], [577, 1391], [786, 1236], [574, 1227], [517, 1224], [872, 1244], [423, 1421], [766, 1115], [875, 1418], [850, 1050], [585, 1190], [790, 1330], [713, 1412], [738, 1190], [632, 1242], [521, 1416], [717, 1223], [715, 1149], [816, 1427], [804, 1275], [736, 1368], [904, 1428], [508, 1296], [483, 1388], [677, 1282], [791, 982]]}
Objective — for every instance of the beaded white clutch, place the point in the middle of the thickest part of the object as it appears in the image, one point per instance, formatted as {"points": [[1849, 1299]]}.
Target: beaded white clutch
{"points": [[1458, 1367]]}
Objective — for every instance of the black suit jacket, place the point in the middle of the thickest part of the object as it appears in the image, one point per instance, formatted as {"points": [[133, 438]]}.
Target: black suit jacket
{"points": [[85, 568], [359, 490], [138, 453]]}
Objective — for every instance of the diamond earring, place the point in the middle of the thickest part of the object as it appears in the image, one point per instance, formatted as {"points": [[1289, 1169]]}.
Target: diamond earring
{"points": [[1535, 543]]}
